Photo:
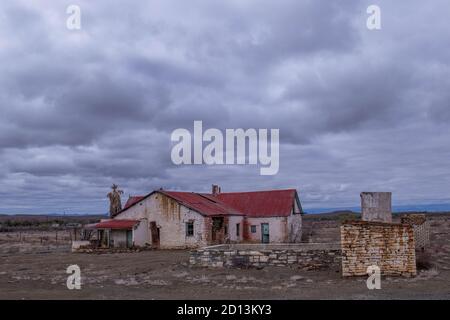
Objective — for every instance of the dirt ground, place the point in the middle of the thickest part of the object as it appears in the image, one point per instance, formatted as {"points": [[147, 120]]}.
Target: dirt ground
{"points": [[166, 275], [40, 273]]}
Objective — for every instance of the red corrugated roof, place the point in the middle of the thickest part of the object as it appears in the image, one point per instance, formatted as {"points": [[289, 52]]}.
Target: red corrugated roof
{"points": [[260, 203], [205, 205], [132, 200], [270, 203], [117, 224]]}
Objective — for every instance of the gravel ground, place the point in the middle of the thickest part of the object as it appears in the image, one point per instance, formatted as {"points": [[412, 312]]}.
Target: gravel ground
{"points": [[166, 275]]}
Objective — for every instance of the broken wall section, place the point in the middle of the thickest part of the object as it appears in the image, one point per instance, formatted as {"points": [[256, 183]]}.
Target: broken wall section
{"points": [[389, 246]]}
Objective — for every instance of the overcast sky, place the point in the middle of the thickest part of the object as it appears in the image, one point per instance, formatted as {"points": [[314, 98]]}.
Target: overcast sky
{"points": [[358, 109]]}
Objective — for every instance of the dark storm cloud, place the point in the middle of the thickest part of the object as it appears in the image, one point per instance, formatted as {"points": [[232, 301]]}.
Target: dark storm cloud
{"points": [[83, 112], [357, 109]]}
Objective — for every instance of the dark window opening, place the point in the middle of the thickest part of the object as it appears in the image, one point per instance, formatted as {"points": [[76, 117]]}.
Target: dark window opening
{"points": [[189, 229], [217, 223], [238, 225], [253, 229]]}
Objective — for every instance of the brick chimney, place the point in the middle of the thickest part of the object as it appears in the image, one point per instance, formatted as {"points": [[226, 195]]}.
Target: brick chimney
{"points": [[215, 190]]}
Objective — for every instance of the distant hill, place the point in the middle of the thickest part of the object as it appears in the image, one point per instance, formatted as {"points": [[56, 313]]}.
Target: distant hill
{"points": [[351, 215], [333, 215], [435, 208], [35, 220]]}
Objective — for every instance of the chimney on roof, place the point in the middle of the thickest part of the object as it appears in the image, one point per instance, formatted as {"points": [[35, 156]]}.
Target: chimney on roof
{"points": [[215, 190]]}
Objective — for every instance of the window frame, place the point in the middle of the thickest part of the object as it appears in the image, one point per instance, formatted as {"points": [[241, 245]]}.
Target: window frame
{"points": [[188, 224]]}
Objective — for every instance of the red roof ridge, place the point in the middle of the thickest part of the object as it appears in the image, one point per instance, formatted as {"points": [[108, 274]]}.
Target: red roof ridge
{"points": [[132, 200], [271, 190]]}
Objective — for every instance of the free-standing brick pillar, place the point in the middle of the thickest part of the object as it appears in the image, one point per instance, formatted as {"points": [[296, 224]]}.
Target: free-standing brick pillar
{"points": [[376, 206]]}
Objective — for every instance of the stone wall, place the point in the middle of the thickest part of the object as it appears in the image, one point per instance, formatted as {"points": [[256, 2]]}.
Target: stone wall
{"points": [[389, 246], [306, 256]]}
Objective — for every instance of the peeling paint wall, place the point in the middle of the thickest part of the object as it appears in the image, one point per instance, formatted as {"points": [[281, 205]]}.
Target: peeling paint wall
{"points": [[118, 238], [389, 246], [281, 229], [232, 234], [171, 219], [141, 234], [295, 228], [277, 229]]}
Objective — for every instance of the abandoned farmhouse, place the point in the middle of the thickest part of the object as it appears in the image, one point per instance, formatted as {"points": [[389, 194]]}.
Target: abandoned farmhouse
{"points": [[259, 228], [171, 219]]}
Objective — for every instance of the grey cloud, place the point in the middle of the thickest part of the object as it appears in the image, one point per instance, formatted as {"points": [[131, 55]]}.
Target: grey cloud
{"points": [[356, 109]]}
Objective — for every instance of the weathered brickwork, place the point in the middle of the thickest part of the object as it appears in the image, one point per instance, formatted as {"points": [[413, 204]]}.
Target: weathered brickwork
{"points": [[389, 246], [421, 229], [304, 256]]}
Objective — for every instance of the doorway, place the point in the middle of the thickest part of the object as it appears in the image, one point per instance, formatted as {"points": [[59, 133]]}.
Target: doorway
{"points": [[265, 233], [217, 230], [129, 238], [155, 234]]}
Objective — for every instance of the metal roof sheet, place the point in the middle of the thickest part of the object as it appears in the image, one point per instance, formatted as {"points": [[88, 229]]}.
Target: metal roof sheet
{"points": [[132, 200], [202, 204], [269, 203], [117, 224]]}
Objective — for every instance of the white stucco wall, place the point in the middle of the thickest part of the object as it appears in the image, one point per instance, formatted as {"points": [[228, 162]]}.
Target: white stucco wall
{"points": [[232, 222], [297, 209], [277, 229], [295, 228], [119, 238], [141, 233], [281, 229], [171, 218]]}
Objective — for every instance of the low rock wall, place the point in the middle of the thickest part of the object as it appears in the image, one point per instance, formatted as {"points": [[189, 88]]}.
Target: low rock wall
{"points": [[308, 256]]}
